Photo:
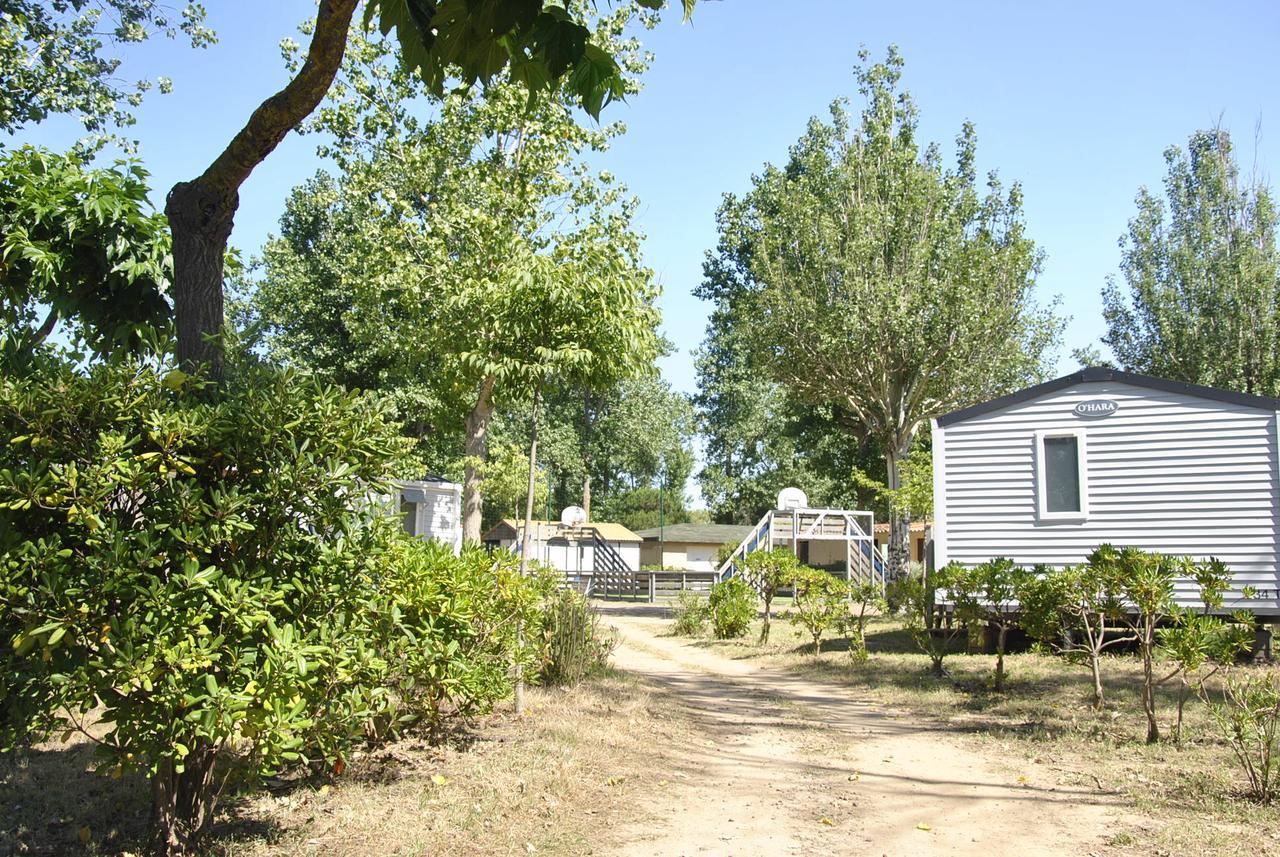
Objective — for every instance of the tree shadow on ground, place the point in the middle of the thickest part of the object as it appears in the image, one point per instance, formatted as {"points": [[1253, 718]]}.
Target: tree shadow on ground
{"points": [[49, 795]]}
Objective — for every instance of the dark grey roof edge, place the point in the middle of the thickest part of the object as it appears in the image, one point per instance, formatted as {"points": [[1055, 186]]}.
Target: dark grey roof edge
{"points": [[653, 532], [1094, 374]]}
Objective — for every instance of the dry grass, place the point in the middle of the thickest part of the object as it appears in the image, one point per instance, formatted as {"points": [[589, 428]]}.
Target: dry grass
{"points": [[1187, 800], [555, 782]]}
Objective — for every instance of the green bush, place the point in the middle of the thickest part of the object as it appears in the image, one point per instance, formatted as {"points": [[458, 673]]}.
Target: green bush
{"points": [[820, 599], [689, 616], [1247, 710], [851, 621], [214, 572], [766, 572], [574, 644], [447, 626], [731, 606]]}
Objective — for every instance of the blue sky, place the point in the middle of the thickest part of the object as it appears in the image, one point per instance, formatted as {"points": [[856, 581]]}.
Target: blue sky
{"points": [[1077, 101]]}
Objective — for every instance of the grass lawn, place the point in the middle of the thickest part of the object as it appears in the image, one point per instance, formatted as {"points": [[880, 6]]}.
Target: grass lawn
{"points": [[1188, 800], [554, 782]]}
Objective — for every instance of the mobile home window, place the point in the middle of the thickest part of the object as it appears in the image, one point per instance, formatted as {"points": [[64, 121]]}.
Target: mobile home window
{"points": [[1061, 475]]}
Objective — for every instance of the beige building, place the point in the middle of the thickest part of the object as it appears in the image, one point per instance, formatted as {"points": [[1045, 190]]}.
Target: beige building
{"points": [[919, 532], [688, 547]]}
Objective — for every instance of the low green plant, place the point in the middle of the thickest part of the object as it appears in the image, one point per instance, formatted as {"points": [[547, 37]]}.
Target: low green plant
{"points": [[820, 600], [731, 606], [987, 594], [768, 571], [1076, 610], [448, 626], [851, 622], [194, 566], [1247, 711], [918, 594], [1200, 644], [689, 615], [575, 646]]}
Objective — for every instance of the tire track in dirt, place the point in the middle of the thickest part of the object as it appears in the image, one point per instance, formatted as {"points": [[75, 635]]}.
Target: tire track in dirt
{"points": [[794, 766]]}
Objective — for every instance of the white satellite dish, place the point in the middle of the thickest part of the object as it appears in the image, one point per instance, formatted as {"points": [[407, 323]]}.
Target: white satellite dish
{"points": [[572, 516], [792, 498]]}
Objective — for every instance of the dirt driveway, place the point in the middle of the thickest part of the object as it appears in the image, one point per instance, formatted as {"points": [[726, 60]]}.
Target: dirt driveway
{"points": [[800, 767]]}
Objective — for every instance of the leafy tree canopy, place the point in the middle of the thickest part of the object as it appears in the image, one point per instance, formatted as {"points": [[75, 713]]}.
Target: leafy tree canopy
{"points": [[64, 57], [466, 260], [1203, 276], [78, 245], [868, 277]]}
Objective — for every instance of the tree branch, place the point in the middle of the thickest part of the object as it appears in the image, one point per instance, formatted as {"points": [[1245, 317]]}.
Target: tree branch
{"points": [[282, 112]]}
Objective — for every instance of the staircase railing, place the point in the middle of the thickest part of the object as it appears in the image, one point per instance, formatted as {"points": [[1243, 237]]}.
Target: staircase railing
{"points": [[753, 541], [609, 570]]}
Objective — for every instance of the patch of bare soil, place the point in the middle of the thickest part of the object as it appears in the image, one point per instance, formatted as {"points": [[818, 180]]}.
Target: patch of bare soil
{"points": [[583, 762], [795, 766]]}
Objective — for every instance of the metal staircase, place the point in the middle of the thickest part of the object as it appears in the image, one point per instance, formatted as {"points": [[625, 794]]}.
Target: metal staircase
{"points": [[609, 570], [862, 560]]}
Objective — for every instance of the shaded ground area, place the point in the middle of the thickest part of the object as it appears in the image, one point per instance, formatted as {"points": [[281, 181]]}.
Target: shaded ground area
{"points": [[795, 765]]}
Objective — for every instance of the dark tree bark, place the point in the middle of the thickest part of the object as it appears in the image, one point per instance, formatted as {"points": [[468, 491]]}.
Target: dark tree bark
{"points": [[182, 802], [202, 211]]}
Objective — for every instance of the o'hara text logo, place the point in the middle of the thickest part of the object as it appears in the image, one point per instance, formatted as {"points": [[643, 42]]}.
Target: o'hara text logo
{"points": [[1095, 408]]}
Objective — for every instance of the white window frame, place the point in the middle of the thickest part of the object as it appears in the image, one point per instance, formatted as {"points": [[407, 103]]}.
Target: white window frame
{"points": [[1042, 510]]}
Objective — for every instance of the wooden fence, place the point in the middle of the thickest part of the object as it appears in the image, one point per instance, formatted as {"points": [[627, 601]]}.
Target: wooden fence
{"points": [[639, 585]]}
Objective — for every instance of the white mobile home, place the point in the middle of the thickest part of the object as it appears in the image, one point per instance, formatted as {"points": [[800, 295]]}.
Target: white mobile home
{"points": [[1047, 474], [432, 509]]}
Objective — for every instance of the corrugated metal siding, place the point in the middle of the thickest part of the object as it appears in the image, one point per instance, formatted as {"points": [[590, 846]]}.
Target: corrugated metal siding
{"points": [[1166, 472]]}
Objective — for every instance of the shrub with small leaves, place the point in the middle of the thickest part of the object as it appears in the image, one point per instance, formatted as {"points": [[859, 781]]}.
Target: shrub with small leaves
{"points": [[851, 622], [689, 615], [819, 601], [731, 606], [1247, 710], [205, 568]]}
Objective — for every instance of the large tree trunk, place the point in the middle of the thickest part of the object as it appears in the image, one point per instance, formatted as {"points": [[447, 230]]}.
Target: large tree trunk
{"points": [[476, 450], [201, 211], [899, 521], [200, 216]]}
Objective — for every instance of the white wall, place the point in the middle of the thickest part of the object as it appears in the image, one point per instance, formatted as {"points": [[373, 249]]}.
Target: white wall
{"points": [[1166, 472], [440, 517], [573, 556]]}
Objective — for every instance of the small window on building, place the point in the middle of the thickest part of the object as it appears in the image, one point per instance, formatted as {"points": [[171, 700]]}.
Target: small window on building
{"points": [[1061, 475]]}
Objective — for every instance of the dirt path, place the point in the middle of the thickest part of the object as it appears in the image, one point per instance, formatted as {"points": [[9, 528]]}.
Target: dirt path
{"points": [[802, 767]]}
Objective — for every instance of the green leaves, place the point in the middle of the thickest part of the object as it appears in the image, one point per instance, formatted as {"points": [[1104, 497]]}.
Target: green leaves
{"points": [[82, 246], [545, 45], [1203, 297], [54, 59]]}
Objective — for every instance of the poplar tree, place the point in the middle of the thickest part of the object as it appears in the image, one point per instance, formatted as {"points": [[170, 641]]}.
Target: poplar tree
{"points": [[883, 282], [1203, 276]]}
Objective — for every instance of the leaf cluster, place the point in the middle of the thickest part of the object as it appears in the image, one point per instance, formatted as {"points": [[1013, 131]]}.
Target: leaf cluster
{"points": [[82, 246]]}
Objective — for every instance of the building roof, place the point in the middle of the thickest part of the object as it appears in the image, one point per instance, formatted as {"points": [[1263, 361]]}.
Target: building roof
{"points": [[508, 528], [916, 527], [422, 490], [1094, 374], [704, 534]]}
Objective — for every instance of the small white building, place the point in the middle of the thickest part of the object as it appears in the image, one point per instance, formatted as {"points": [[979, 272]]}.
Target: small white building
{"points": [[571, 549], [1047, 474], [431, 509]]}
